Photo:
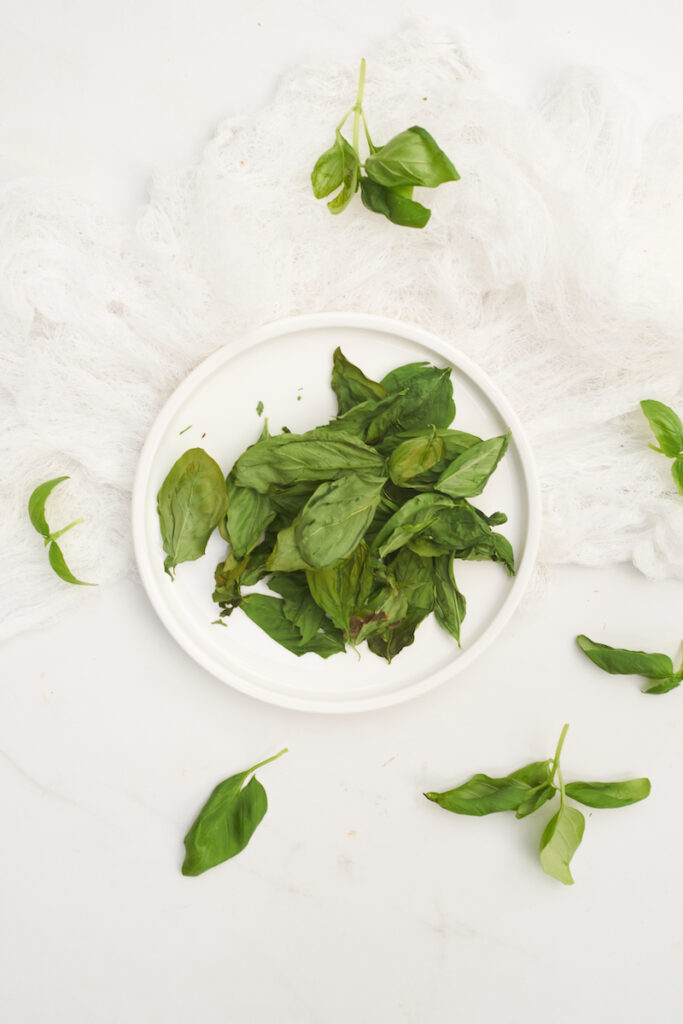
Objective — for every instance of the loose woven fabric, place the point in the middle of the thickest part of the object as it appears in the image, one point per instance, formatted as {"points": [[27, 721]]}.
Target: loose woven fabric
{"points": [[555, 263]]}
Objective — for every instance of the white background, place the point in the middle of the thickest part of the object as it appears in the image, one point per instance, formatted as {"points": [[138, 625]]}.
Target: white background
{"points": [[357, 900]]}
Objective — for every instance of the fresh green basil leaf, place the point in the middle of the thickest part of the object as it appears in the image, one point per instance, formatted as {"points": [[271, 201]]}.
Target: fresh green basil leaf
{"points": [[560, 841], [410, 158], [430, 395], [269, 614], [36, 505], [350, 384], [337, 166], [491, 548], [664, 685], [415, 456], [482, 794], [411, 519], [371, 420], [226, 822], [191, 502], [677, 472], [449, 604], [340, 591], [249, 512], [285, 556], [618, 661], [666, 426], [288, 459], [609, 794], [537, 798], [59, 565], [333, 521], [298, 605], [395, 207], [455, 442], [470, 472]]}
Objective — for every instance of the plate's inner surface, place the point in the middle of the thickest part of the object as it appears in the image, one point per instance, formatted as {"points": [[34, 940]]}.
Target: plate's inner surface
{"points": [[290, 374]]}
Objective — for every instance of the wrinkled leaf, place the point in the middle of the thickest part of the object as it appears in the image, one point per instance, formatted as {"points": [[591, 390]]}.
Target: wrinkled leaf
{"points": [[269, 614], [298, 605], [333, 521], [350, 384], [677, 472], [482, 794], [340, 591], [248, 515], [415, 456]]}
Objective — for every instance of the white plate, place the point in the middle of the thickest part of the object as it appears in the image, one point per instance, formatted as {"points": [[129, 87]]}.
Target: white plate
{"points": [[287, 366]]}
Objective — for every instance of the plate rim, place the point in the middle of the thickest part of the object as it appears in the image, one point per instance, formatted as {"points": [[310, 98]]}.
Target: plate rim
{"points": [[309, 321]]}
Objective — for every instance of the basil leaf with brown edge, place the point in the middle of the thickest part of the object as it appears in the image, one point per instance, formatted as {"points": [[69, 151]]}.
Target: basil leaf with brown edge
{"points": [[397, 208], [227, 821], [191, 502]]}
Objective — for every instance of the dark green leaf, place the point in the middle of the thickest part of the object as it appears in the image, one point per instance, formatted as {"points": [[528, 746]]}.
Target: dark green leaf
{"points": [[371, 420], [618, 661], [666, 426], [454, 441], [333, 521], [560, 841], [469, 473], [248, 515], [395, 207], [36, 505], [609, 794], [226, 822], [677, 472], [538, 797], [409, 521], [61, 568], [410, 158], [449, 604], [492, 548], [339, 592], [227, 577], [269, 614], [430, 395], [485, 795], [350, 384], [298, 605], [191, 502], [259, 407], [391, 640]]}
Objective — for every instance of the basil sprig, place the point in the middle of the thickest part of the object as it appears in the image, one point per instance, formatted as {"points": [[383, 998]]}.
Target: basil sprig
{"points": [[227, 821], [391, 171], [36, 513], [658, 668], [526, 790], [668, 429]]}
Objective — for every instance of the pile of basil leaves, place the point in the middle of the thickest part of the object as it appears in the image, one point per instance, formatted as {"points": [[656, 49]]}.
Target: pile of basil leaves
{"points": [[354, 525]]}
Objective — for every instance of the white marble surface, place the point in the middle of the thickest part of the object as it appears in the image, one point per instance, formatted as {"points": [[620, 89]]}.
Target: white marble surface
{"points": [[357, 900]]}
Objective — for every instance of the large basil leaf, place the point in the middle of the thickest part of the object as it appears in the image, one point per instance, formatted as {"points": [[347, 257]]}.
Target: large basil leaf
{"points": [[191, 502], [469, 473], [449, 604], [482, 794], [340, 591], [249, 512], [410, 158], [457, 527], [609, 794], [666, 426], [350, 384], [298, 606], [618, 661], [560, 841], [226, 822], [333, 521], [430, 395], [287, 459], [395, 207]]}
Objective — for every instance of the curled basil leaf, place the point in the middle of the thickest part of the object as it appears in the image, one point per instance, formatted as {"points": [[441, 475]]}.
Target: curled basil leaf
{"points": [[485, 795], [619, 661], [397, 208], [350, 384], [59, 565]]}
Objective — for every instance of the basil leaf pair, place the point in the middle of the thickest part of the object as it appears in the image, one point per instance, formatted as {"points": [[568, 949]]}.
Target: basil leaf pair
{"points": [[528, 789], [659, 668], [227, 821], [391, 171], [668, 429], [36, 513]]}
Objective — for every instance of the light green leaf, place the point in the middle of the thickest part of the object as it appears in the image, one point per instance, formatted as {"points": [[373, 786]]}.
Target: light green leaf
{"points": [[61, 568], [560, 841], [666, 426], [609, 794], [410, 158], [191, 502], [469, 473]]}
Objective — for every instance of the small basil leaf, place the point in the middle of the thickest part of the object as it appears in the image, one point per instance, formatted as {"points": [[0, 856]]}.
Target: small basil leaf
{"points": [[430, 395], [470, 472], [36, 505], [328, 172], [677, 472], [618, 661], [663, 685], [482, 794], [410, 158], [350, 174], [395, 207], [415, 456], [666, 426], [298, 605], [537, 798], [449, 604], [560, 841], [191, 502], [61, 568], [350, 384], [391, 640], [343, 589], [226, 822], [609, 794], [333, 521]]}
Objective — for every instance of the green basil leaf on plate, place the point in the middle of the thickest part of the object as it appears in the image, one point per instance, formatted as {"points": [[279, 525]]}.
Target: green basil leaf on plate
{"points": [[469, 473], [191, 502]]}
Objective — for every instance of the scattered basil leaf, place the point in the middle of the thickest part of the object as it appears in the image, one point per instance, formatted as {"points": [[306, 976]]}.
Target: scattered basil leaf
{"points": [[666, 426], [227, 821], [36, 512], [61, 568], [485, 795], [36, 505], [618, 661], [191, 502], [609, 794], [560, 841]]}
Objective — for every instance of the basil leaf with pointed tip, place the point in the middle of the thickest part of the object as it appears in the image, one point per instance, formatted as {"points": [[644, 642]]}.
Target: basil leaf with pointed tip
{"points": [[482, 794], [609, 794], [36, 505], [350, 384], [469, 473], [619, 661], [340, 591], [410, 158], [537, 798], [430, 395], [298, 605], [191, 502], [59, 565], [666, 426], [249, 512], [333, 521], [226, 822], [677, 472], [560, 840], [449, 604], [397, 208], [268, 613], [339, 165]]}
